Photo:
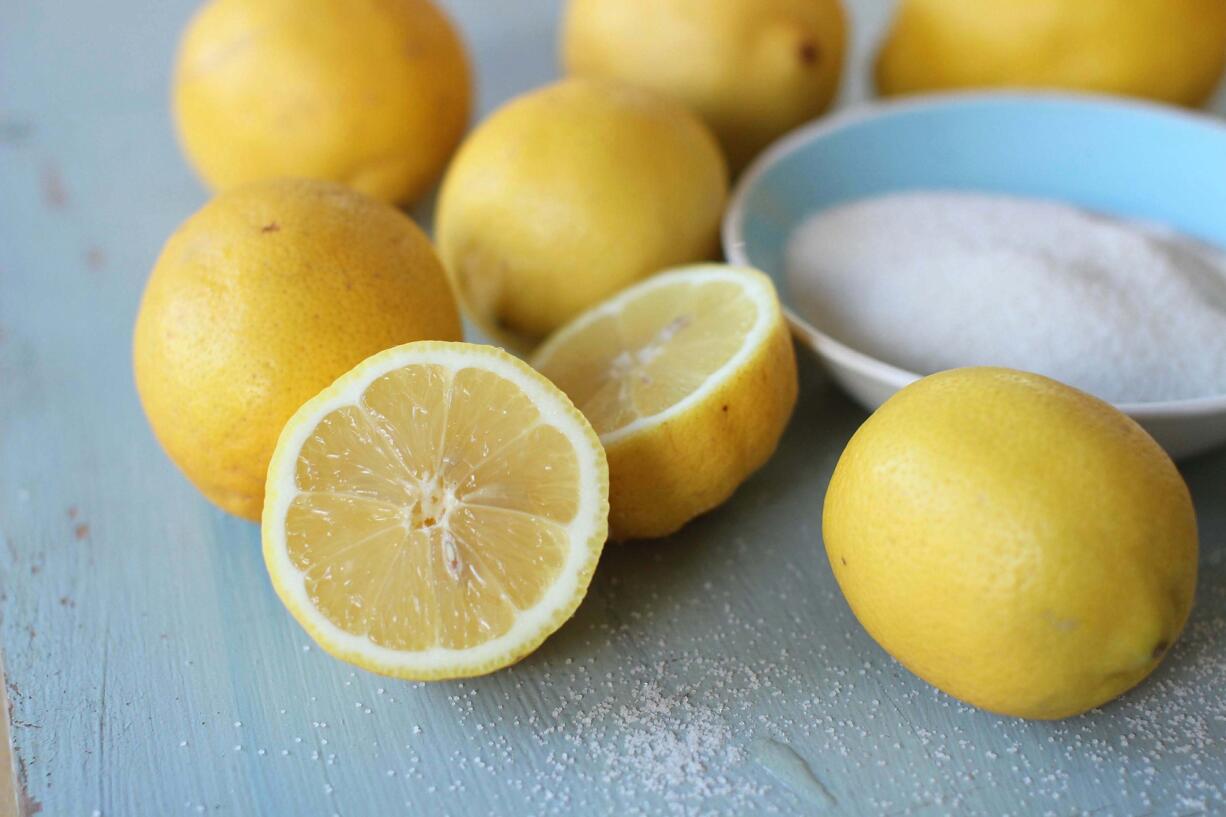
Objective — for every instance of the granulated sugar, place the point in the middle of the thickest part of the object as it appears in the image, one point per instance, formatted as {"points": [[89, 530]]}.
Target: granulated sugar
{"points": [[936, 280], [656, 729], [656, 700], [670, 741], [681, 728]]}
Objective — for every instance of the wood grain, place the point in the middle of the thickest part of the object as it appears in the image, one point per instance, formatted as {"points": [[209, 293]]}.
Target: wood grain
{"points": [[151, 670]]}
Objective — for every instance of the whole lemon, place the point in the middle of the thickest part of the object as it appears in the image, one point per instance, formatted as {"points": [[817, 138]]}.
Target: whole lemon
{"points": [[259, 301], [1168, 50], [753, 69], [1019, 544], [568, 194], [374, 94]]}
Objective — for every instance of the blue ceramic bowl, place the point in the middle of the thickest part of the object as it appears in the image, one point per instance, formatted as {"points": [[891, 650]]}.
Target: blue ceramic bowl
{"points": [[1132, 159]]}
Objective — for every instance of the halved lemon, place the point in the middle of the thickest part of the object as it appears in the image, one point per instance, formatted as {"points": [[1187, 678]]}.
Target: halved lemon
{"points": [[689, 378], [435, 513]]}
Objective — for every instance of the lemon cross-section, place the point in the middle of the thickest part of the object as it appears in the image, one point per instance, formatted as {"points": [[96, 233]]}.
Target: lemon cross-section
{"points": [[689, 378], [437, 512], [636, 362]]}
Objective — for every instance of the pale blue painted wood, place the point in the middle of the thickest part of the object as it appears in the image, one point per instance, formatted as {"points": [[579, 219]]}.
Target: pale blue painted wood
{"points": [[139, 629]]}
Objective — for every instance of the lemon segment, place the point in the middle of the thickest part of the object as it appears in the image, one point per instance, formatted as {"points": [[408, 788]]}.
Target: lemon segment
{"points": [[689, 378], [436, 513]]}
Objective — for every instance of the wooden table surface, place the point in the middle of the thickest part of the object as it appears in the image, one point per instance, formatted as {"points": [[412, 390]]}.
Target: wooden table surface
{"points": [[152, 671]]}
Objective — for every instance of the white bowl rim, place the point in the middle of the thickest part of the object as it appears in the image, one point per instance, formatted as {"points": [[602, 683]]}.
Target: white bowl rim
{"points": [[733, 238]]}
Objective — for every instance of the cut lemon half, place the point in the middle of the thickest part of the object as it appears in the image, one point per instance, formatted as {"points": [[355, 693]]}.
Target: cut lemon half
{"points": [[689, 378], [435, 513]]}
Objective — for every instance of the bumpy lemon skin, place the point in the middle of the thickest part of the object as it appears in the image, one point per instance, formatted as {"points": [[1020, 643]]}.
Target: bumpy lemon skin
{"points": [[753, 69], [1019, 544], [374, 94], [664, 476], [1166, 50], [570, 193], [261, 299]]}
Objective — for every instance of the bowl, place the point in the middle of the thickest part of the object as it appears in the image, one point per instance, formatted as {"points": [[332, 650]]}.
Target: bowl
{"points": [[1136, 160]]}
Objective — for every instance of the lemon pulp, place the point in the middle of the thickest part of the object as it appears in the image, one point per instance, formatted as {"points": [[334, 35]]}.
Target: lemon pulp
{"points": [[435, 509], [649, 355]]}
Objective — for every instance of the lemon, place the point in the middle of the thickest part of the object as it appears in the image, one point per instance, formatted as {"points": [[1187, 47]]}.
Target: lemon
{"points": [[1167, 50], [374, 94], [1015, 542], [437, 512], [260, 300], [689, 378], [753, 69], [570, 193]]}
